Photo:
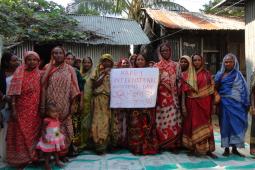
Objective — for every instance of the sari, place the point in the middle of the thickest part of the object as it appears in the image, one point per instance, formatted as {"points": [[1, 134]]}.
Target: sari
{"points": [[76, 116], [24, 132], [252, 136], [233, 105], [119, 120], [61, 88], [168, 115], [142, 136], [86, 115], [197, 128], [101, 107]]}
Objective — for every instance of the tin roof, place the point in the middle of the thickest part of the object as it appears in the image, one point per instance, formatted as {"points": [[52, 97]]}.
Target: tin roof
{"points": [[109, 30], [194, 21], [236, 3]]}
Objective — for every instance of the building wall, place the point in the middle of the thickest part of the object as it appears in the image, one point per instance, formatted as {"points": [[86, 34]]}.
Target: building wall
{"points": [[250, 37], [95, 51], [82, 50], [20, 49]]}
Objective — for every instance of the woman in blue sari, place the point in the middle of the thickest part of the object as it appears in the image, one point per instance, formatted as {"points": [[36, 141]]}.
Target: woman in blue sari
{"points": [[234, 105]]}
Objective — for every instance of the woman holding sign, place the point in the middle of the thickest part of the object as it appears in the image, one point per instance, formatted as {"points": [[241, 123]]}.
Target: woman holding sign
{"points": [[142, 137], [168, 116]]}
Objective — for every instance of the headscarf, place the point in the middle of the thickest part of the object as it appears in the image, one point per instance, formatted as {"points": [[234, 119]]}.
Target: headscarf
{"points": [[16, 82], [100, 67], [208, 89], [239, 91], [191, 78], [81, 69]]}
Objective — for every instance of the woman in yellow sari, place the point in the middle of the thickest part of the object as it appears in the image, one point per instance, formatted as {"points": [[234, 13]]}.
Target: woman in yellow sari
{"points": [[101, 107]]}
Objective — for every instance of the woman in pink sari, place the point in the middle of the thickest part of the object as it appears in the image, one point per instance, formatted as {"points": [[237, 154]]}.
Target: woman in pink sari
{"points": [[168, 116], [24, 125], [60, 86]]}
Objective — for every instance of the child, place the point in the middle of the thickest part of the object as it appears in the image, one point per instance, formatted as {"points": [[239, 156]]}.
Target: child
{"points": [[52, 140]]}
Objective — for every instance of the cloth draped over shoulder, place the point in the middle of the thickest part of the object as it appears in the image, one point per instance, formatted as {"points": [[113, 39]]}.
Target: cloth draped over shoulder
{"points": [[168, 115], [15, 88], [190, 76], [197, 128], [100, 103], [234, 84], [23, 132], [61, 87], [233, 105]]}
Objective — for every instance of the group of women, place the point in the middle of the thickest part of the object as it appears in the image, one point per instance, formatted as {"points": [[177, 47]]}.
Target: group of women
{"points": [[181, 117]]}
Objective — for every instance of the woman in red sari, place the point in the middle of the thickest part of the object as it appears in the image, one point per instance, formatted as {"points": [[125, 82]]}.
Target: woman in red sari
{"points": [[142, 137], [197, 128], [24, 125], [168, 115], [60, 86]]}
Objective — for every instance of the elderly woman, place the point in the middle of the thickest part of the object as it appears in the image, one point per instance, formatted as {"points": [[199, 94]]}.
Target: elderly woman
{"points": [[24, 125], [168, 115], [101, 107], [234, 104], [60, 86]]}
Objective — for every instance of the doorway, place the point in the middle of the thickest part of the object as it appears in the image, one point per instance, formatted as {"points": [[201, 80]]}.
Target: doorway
{"points": [[44, 51]]}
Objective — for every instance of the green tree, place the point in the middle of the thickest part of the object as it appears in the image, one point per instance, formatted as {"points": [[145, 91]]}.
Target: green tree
{"points": [[232, 11], [36, 20], [130, 8]]}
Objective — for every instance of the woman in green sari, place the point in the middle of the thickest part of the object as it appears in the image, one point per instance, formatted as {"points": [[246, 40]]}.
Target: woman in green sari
{"points": [[86, 116]]}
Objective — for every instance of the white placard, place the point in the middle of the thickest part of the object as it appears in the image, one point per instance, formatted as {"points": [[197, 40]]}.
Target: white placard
{"points": [[134, 87]]}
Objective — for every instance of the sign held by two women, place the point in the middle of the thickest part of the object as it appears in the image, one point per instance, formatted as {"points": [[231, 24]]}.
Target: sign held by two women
{"points": [[134, 87]]}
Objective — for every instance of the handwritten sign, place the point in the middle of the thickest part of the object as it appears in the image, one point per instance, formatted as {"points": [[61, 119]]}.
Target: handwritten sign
{"points": [[134, 87]]}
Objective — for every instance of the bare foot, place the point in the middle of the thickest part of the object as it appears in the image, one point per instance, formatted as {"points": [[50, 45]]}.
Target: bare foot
{"points": [[213, 156], [60, 164], [235, 152], [226, 152]]}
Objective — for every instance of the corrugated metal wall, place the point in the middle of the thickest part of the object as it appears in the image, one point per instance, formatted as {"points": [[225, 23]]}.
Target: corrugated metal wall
{"points": [[95, 51], [82, 50], [20, 49], [250, 37]]}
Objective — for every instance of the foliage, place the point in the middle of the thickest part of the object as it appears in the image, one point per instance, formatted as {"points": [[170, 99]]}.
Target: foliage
{"points": [[232, 12], [132, 8], [37, 20]]}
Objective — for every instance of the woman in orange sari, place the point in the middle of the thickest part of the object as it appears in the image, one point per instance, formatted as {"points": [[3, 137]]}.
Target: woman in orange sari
{"points": [[168, 115], [197, 128], [60, 86], [24, 125]]}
